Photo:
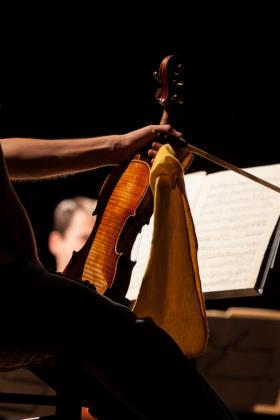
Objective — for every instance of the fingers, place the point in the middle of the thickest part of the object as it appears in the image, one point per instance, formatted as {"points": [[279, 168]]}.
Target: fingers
{"points": [[165, 131], [156, 145], [152, 153], [154, 149], [161, 133]]}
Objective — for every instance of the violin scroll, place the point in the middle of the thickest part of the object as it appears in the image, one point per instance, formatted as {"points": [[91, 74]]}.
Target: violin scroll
{"points": [[171, 78]]}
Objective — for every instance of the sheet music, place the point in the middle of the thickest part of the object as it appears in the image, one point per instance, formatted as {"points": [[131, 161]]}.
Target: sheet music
{"points": [[234, 220]]}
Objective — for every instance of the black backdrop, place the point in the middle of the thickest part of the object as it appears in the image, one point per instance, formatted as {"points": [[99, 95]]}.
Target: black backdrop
{"points": [[81, 84], [91, 74]]}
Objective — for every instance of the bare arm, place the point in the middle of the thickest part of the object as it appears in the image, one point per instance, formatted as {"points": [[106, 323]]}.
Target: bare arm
{"points": [[37, 158], [17, 238]]}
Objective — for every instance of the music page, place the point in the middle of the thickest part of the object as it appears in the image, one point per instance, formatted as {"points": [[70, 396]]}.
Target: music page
{"points": [[234, 220]]}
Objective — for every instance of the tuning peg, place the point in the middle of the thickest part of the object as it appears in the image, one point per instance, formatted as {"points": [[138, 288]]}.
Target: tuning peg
{"points": [[178, 99], [178, 82], [180, 68]]}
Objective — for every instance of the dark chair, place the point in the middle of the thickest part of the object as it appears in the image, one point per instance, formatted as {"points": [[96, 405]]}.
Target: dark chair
{"points": [[67, 404]]}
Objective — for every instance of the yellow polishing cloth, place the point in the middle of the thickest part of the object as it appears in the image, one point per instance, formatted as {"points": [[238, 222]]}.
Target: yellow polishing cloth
{"points": [[171, 292]]}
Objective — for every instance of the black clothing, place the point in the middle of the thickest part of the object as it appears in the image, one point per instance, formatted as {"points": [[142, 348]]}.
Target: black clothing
{"points": [[129, 368]]}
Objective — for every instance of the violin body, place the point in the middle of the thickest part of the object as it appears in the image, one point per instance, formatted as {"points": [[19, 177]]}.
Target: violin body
{"points": [[125, 204]]}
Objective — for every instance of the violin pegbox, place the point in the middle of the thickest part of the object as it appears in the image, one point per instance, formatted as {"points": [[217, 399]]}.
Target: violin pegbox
{"points": [[171, 78]]}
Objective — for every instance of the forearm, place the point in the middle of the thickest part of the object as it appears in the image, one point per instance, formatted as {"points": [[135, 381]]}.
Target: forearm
{"points": [[37, 158], [34, 158]]}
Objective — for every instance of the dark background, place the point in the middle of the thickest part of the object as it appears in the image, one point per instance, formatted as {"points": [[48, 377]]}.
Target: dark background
{"points": [[63, 78], [66, 81]]}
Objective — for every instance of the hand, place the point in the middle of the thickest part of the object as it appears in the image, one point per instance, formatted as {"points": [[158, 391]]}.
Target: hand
{"points": [[152, 136]]}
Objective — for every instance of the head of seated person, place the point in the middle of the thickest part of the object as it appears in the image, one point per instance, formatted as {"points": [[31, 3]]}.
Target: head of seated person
{"points": [[73, 223]]}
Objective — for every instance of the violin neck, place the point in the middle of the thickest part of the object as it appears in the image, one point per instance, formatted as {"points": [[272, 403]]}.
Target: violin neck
{"points": [[165, 117]]}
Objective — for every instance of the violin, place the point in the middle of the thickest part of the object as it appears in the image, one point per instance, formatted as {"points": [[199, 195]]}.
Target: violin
{"points": [[125, 204]]}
